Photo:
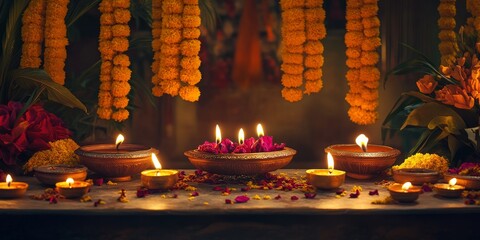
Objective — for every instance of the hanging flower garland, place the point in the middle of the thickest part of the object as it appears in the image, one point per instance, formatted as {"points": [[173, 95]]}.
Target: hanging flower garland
{"points": [[448, 39], [315, 32], [362, 40], [156, 45], [55, 40], [33, 25], [473, 7]]}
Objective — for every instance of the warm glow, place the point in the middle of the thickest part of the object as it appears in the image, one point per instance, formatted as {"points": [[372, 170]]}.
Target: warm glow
{"points": [[9, 180], [362, 142], [120, 139], [218, 135], [330, 162], [452, 182], [241, 136], [155, 161], [70, 182], [260, 132], [406, 186]]}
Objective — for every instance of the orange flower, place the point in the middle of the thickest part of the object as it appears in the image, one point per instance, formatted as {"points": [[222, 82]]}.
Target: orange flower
{"points": [[189, 93], [292, 94], [456, 96], [427, 84], [473, 87]]}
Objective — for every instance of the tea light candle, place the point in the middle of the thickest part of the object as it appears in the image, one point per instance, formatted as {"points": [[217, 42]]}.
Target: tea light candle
{"points": [[72, 189], [241, 136], [405, 193], [450, 190], [159, 178], [11, 189], [326, 178]]}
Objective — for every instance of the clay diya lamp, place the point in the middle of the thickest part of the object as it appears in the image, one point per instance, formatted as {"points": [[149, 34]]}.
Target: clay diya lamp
{"points": [[417, 176], [11, 189], [362, 162], [469, 182], [406, 193], [51, 174], [450, 190], [72, 189], [326, 178], [159, 178], [116, 162]]}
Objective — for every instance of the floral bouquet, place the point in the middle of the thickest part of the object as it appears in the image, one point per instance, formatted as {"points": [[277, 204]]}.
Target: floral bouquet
{"points": [[26, 132]]}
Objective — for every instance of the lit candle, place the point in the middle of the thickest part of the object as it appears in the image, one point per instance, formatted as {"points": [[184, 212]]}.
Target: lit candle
{"points": [[72, 189], [452, 183], [218, 135], [326, 178], [406, 186], [119, 141], [405, 193], [450, 190], [362, 142], [8, 180], [241, 136], [70, 182], [159, 178], [11, 189], [260, 132]]}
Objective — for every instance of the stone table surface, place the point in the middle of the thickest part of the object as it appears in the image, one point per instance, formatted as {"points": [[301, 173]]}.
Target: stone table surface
{"points": [[213, 202]]}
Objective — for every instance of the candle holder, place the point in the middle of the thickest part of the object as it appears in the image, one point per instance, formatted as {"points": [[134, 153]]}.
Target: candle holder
{"points": [[325, 179], [448, 191], [51, 174], [363, 165], [15, 190], [404, 196], [74, 190], [116, 165], [241, 163], [469, 182], [417, 176], [162, 179]]}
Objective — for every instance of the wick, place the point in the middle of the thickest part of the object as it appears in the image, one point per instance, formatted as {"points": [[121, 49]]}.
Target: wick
{"points": [[157, 173], [364, 148], [69, 185], [330, 171], [8, 184], [118, 146]]}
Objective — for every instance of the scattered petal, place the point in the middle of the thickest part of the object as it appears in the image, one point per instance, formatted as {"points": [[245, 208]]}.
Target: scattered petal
{"points": [[386, 200], [194, 194], [163, 196], [99, 181], [142, 192], [205, 203], [267, 197], [191, 198], [294, 198], [278, 197], [228, 201], [245, 189], [242, 199], [310, 195], [256, 197], [340, 191], [190, 188], [373, 192], [98, 202], [86, 198], [426, 188], [110, 183], [355, 194]]}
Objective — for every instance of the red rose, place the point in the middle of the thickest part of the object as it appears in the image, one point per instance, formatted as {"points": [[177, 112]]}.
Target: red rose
{"points": [[8, 115], [14, 143]]}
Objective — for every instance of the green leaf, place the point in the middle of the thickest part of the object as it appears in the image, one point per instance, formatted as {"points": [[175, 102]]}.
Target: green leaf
{"points": [[78, 9], [453, 145], [448, 124], [31, 78], [424, 114], [420, 96], [208, 14]]}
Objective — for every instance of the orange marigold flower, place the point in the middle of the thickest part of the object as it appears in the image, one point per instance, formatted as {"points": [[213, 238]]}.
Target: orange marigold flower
{"points": [[362, 117], [106, 86], [191, 10], [121, 30], [190, 47], [171, 36], [172, 6], [447, 47], [55, 53], [294, 38], [447, 9], [105, 99], [369, 10], [169, 73], [120, 89], [369, 94], [315, 31], [354, 25], [121, 3], [353, 52], [105, 33], [313, 47], [122, 16], [456, 96], [371, 32], [353, 75], [107, 19], [314, 15], [289, 4], [294, 26], [292, 94], [170, 87], [446, 23], [292, 68], [356, 87], [313, 74], [105, 77], [191, 21], [121, 60], [190, 2], [30, 49], [354, 99], [106, 67], [371, 22], [190, 62], [353, 14], [314, 61], [473, 86], [353, 39], [369, 58], [120, 115], [313, 3], [371, 85], [30, 62], [190, 76], [157, 91], [294, 58], [427, 84], [32, 33], [56, 42], [172, 21], [156, 44], [121, 74], [293, 48], [447, 35], [121, 102], [104, 113], [35, 12], [191, 33], [313, 86], [170, 49], [354, 3], [106, 50], [369, 106], [119, 44], [354, 63], [293, 15], [369, 74], [291, 80], [370, 44], [189, 93], [171, 61], [106, 6]]}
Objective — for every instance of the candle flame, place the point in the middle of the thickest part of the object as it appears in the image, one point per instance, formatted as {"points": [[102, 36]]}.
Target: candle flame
{"points": [[218, 135], [120, 139], [406, 186], [330, 163], [452, 182], [9, 180], [260, 132], [155, 161], [362, 142], [241, 136], [70, 182]]}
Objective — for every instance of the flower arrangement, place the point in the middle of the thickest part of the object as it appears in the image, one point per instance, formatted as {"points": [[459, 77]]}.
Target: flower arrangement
{"points": [[250, 145], [61, 152], [467, 169], [428, 161], [33, 25], [24, 134]]}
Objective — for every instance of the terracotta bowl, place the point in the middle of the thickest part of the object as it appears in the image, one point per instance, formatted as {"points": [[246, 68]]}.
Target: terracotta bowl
{"points": [[404, 197], [469, 182], [115, 165], [51, 174], [417, 176], [363, 165], [241, 163]]}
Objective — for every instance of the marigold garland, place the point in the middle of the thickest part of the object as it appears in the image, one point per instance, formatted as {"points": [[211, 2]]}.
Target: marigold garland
{"points": [[55, 39], [362, 40], [33, 23], [473, 7], [446, 23]]}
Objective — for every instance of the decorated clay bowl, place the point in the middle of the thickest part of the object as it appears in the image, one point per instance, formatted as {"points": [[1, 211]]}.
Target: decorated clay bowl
{"points": [[417, 176], [469, 182], [51, 174], [240, 163], [362, 165], [115, 165]]}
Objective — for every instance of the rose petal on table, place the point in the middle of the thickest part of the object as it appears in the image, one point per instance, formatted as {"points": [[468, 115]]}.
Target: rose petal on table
{"points": [[310, 195], [294, 198], [241, 199]]}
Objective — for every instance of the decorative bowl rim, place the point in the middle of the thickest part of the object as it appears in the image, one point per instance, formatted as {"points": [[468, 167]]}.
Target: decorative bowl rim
{"points": [[72, 169], [458, 176], [286, 152], [410, 172], [86, 151], [393, 152]]}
